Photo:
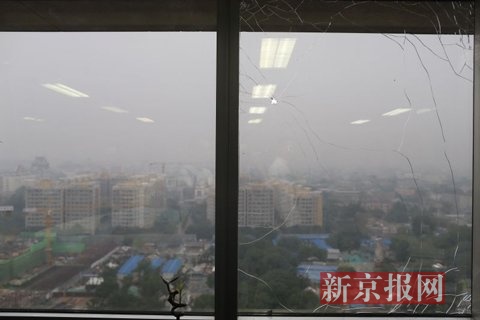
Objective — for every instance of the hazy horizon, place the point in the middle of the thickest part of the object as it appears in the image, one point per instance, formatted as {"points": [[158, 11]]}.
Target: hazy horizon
{"points": [[151, 98]]}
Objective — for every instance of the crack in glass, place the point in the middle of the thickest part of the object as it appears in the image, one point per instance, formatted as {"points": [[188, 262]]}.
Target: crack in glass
{"points": [[419, 173]]}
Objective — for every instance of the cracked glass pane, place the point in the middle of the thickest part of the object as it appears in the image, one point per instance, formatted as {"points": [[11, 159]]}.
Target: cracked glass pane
{"points": [[355, 154]]}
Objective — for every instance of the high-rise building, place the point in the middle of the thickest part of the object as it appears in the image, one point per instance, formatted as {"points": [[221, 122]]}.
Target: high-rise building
{"points": [[308, 210], [63, 206], [81, 207], [157, 193], [10, 183], [44, 205], [256, 207], [298, 205], [130, 205]]}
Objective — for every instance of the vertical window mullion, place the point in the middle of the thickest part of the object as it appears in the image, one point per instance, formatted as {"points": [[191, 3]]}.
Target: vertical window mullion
{"points": [[476, 171], [226, 164]]}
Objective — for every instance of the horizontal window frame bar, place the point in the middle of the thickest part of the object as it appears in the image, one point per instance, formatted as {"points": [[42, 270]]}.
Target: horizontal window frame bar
{"points": [[103, 313], [168, 15], [352, 317], [77, 315], [323, 315]]}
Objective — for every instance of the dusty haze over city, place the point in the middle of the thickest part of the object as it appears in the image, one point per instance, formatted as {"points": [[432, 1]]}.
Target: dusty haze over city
{"points": [[151, 97]]}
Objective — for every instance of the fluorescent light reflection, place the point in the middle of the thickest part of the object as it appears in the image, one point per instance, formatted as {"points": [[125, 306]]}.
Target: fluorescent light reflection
{"points": [[33, 119], [114, 109], [145, 120], [359, 121], [263, 91], [276, 52], [255, 121], [425, 110], [66, 90], [257, 110], [396, 112]]}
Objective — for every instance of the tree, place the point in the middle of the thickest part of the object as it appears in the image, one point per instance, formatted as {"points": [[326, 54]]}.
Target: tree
{"points": [[346, 240], [105, 289], [346, 268], [211, 280], [400, 248], [276, 266], [347, 234], [204, 302], [398, 213], [202, 229], [423, 224]]}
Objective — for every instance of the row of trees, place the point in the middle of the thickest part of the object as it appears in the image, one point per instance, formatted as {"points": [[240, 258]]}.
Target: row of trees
{"points": [[267, 272], [143, 292]]}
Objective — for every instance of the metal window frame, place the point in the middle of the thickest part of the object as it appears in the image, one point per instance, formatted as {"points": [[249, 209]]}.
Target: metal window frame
{"points": [[226, 176], [226, 164], [476, 170]]}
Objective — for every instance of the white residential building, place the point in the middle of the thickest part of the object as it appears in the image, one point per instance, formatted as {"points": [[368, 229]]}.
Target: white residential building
{"points": [[129, 205]]}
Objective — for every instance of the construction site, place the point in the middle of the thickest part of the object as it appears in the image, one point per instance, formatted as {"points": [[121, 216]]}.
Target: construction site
{"points": [[31, 274]]}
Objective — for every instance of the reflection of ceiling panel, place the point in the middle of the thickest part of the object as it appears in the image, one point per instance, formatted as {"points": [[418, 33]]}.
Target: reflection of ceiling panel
{"points": [[257, 15]]}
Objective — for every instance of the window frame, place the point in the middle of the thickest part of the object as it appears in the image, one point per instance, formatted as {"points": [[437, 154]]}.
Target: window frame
{"points": [[227, 167]]}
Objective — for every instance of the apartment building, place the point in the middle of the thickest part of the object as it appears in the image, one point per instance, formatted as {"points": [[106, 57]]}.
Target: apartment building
{"points": [[81, 207], [256, 206], [44, 205], [308, 210], [69, 206], [130, 205], [297, 205]]}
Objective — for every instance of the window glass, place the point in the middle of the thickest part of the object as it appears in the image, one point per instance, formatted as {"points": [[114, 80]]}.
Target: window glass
{"points": [[355, 157], [107, 171]]}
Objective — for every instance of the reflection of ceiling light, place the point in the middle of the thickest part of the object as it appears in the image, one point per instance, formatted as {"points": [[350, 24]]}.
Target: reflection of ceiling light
{"points": [[425, 110], [263, 90], [115, 109], [32, 119], [396, 112], [276, 52], [274, 101], [63, 89], [359, 121], [257, 110], [146, 120], [255, 121]]}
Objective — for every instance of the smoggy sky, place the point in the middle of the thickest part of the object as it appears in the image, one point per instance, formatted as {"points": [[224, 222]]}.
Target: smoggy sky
{"points": [[333, 80], [151, 98]]}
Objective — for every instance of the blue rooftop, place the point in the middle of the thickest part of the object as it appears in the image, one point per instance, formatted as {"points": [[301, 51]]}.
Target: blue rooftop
{"points": [[156, 263], [320, 243], [312, 271], [129, 266], [317, 239], [172, 266], [312, 236]]}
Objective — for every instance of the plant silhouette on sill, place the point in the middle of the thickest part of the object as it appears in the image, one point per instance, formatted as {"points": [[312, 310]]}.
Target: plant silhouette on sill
{"points": [[172, 298]]}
